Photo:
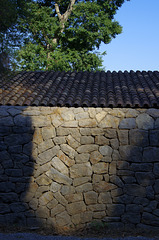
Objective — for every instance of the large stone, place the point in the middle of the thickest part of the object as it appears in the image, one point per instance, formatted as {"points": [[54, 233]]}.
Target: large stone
{"points": [[57, 209], [45, 145], [60, 199], [134, 190], [127, 123], [96, 207], [59, 140], [43, 212], [150, 219], [116, 180], [45, 198], [55, 187], [90, 197], [72, 142], [141, 167], [95, 157], [68, 150], [100, 116], [48, 155], [106, 151], [87, 140], [131, 113], [6, 121], [131, 153], [86, 187], [91, 131], [156, 169], [115, 210], [100, 168], [123, 137], [59, 165], [156, 186], [87, 122], [114, 143], [153, 112], [110, 133], [82, 115], [151, 154], [81, 170], [70, 124], [131, 218], [76, 207], [154, 138], [101, 140], [65, 189], [48, 133], [67, 115], [105, 197], [81, 180], [103, 186], [81, 158], [43, 180], [145, 178], [139, 137], [144, 121], [68, 161], [87, 148], [58, 177], [40, 121], [63, 219], [109, 122], [76, 197]]}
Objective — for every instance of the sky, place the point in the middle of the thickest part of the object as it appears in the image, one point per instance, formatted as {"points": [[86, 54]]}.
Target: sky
{"points": [[137, 47]]}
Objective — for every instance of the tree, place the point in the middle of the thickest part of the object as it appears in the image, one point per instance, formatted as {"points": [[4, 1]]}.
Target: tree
{"points": [[10, 37], [66, 34]]}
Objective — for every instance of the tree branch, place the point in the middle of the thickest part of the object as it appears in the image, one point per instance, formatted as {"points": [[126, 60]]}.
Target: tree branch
{"points": [[58, 11]]}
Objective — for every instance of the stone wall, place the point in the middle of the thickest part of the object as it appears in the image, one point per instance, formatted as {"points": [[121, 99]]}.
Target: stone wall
{"points": [[67, 167]]}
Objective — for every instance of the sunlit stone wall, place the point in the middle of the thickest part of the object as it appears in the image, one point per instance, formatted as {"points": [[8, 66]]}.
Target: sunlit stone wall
{"points": [[67, 167]]}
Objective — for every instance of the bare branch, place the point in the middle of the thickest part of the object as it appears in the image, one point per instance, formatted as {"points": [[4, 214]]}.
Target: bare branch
{"points": [[58, 11], [69, 10]]}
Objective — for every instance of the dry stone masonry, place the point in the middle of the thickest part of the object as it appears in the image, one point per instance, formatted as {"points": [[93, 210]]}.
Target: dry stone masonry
{"points": [[67, 167]]}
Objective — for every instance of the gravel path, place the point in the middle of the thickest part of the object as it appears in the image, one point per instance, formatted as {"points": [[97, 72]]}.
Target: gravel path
{"points": [[32, 236]]}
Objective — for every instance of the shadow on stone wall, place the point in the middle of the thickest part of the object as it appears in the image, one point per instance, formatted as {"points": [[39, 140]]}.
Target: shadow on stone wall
{"points": [[135, 201], [16, 168]]}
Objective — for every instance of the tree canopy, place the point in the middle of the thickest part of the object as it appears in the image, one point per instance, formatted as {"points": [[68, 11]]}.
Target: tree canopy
{"points": [[64, 34]]}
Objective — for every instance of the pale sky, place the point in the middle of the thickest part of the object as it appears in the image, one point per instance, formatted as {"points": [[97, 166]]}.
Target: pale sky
{"points": [[137, 47]]}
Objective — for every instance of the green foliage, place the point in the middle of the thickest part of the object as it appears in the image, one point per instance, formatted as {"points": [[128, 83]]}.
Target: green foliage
{"points": [[65, 39]]}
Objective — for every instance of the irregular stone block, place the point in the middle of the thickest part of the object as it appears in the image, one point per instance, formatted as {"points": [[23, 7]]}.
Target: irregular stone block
{"points": [[154, 138], [82, 115], [43, 180], [45, 198], [81, 158], [63, 219], [95, 157], [131, 153], [106, 151], [109, 122], [59, 140], [72, 142], [42, 121], [86, 187], [139, 137], [112, 168], [97, 178], [67, 115], [101, 140], [76, 197], [123, 137], [150, 193], [67, 190], [81, 180], [47, 155], [87, 122], [151, 154], [33, 204], [57, 209], [156, 186], [150, 219], [145, 179], [110, 133], [105, 198], [144, 121], [45, 145], [55, 187], [6, 121], [87, 148], [87, 140], [58, 177], [68, 150], [96, 207], [86, 217], [116, 180], [52, 204], [70, 124], [99, 215], [103, 187], [81, 170], [91, 131], [68, 161], [134, 190], [153, 112], [76, 207], [127, 123], [99, 116], [90, 197], [131, 218], [60, 166], [114, 143], [131, 113], [60, 199], [56, 120], [141, 167], [48, 133], [115, 210], [37, 138], [17, 139], [100, 168], [4, 208]]}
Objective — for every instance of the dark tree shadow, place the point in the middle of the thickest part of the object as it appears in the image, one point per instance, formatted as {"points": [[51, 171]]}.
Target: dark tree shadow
{"points": [[16, 167]]}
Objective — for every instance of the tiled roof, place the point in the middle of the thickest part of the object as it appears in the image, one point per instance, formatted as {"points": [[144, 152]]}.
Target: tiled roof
{"points": [[86, 89]]}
